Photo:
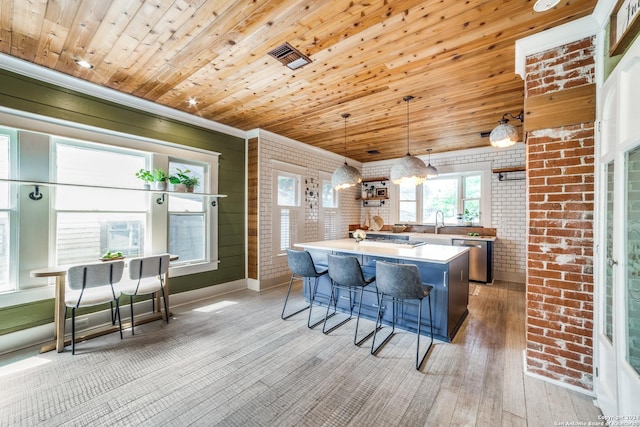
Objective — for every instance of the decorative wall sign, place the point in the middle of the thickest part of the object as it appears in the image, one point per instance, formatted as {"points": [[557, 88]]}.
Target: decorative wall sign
{"points": [[623, 25]]}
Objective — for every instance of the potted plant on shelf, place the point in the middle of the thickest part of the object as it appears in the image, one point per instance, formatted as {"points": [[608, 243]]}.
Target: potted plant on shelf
{"points": [[183, 182], [160, 178], [146, 177]]}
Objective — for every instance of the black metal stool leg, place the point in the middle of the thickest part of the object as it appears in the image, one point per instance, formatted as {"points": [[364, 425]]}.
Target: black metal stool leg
{"points": [[287, 299], [73, 331], [374, 348], [333, 298], [119, 318], [164, 299], [355, 337], [420, 361], [133, 332]]}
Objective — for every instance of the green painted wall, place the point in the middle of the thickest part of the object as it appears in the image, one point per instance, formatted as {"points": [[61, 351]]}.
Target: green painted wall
{"points": [[33, 96]]}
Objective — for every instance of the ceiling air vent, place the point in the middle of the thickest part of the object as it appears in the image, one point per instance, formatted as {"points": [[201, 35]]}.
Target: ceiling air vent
{"points": [[290, 57]]}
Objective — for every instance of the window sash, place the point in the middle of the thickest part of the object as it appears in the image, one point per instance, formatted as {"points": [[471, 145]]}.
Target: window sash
{"points": [[419, 209]]}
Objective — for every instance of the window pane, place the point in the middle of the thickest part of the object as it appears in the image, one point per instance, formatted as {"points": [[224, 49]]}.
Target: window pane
{"points": [[632, 291], [83, 237], [4, 252], [407, 191], [286, 191], [186, 237], [472, 187], [184, 203], [472, 210], [329, 199], [4, 171], [100, 167], [440, 195], [93, 166], [195, 170], [407, 212]]}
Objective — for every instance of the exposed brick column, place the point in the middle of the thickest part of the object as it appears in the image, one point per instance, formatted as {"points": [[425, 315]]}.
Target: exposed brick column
{"points": [[560, 193]]}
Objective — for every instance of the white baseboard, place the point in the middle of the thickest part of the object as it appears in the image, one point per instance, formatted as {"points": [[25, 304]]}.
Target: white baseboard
{"points": [[510, 276], [42, 334]]}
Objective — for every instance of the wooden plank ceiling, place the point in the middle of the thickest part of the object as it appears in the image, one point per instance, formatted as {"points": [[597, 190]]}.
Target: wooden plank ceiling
{"points": [[455, 57]]}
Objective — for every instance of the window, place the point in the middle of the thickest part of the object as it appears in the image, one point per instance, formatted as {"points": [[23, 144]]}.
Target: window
{"points": [[91, 221], [188, 217], [5, 214], [454, 194], [288, 212], [408, 201], [329, 216]]}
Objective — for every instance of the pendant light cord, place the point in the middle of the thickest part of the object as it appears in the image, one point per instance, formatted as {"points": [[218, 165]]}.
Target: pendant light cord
{"points": [[408, 99], [345, 116]]}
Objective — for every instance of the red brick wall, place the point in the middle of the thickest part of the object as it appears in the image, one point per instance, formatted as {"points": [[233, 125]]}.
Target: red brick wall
{"points": [[560, 193]]}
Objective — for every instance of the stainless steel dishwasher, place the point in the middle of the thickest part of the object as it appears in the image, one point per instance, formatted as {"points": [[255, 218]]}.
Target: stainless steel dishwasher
{"points": [[480, 262]]}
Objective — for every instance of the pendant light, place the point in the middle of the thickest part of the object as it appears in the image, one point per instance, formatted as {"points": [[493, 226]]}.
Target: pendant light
{"points": [[432, 172], [345, 176], [409, 169]]}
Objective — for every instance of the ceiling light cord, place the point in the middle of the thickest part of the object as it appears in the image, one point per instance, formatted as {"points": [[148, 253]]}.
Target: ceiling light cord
{"points": [[408, 99], [345, 116]]}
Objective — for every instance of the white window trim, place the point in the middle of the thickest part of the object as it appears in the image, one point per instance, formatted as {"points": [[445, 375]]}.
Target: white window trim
{"points": [[299, 171], [29, 289], [484, 168]]}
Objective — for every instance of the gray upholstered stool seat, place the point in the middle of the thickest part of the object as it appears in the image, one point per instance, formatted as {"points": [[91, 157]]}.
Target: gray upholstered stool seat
{"points": [[302, 266], [401, 282], [346, 273]]}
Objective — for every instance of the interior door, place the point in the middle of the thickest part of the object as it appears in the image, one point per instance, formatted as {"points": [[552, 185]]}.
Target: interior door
{"points": [[617, 383]]}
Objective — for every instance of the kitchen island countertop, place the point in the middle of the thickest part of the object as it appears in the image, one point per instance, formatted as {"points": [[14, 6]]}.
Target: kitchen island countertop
{"points": [[438, 254]]}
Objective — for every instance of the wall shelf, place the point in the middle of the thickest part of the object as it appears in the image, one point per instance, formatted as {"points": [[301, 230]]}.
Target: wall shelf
{"points": [[503, 171], [36, 195]]}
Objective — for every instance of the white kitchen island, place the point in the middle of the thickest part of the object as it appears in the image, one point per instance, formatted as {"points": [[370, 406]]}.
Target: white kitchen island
{"points": [[446, 268]]}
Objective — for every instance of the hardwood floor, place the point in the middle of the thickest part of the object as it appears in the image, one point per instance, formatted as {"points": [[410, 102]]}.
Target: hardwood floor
{"points": [[238, 363]]}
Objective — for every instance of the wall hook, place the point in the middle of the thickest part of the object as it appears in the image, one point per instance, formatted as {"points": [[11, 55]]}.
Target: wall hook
{"points": [[160, 200], [36, 194]]}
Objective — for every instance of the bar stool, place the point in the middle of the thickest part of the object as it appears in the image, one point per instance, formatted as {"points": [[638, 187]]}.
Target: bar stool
{"points": [[402, 283], [346, 273], [301, 265]]}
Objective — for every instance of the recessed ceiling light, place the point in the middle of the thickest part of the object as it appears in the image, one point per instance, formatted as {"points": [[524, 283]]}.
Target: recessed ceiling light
{"points": [[84, 64], [544, 5], [192, 102]]}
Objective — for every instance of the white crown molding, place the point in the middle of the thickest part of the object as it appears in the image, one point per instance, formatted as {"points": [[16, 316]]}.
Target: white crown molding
{"points": [[261, 133], [47, 75], [570, 32]]}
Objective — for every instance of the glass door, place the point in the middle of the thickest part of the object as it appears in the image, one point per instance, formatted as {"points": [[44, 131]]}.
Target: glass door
{"points": [[617, 297]]}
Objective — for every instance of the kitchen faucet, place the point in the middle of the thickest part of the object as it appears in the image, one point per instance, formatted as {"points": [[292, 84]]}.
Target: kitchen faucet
{"points": [[441, 225]]}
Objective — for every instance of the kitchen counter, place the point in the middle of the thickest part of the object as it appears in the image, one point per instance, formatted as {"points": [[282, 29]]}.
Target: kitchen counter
{"points": [[417, 236], [425, 253], [446, 268]]}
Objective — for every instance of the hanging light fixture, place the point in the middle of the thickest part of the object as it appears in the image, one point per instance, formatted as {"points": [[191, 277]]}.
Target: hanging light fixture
{"points": [[345, 176], [409, 169], [505, 135], [432, 172]]}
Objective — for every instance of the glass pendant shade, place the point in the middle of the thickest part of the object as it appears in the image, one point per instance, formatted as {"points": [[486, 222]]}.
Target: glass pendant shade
{"points": [[409, 170], [503, 135], [345, 176]]}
